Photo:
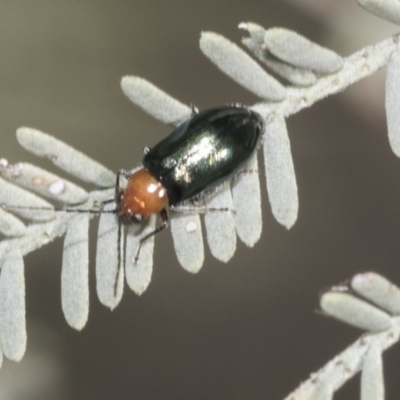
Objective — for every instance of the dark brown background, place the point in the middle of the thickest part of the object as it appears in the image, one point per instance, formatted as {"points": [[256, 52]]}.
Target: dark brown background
{"points": [[245, 330]]}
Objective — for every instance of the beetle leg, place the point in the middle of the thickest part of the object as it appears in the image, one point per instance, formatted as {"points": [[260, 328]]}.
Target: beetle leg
{"points": [[146, 150], [238, 105], [246, 172], [118, 190], [164, 224], [126, 174], [195, 110], [204, 209]]}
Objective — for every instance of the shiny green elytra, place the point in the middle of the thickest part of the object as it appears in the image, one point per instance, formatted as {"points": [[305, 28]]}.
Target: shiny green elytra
{"points": [[203, 152]]}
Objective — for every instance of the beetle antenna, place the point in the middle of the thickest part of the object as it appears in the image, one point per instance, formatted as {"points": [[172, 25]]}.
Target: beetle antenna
{"points": [[119, 265], [8, 207]]}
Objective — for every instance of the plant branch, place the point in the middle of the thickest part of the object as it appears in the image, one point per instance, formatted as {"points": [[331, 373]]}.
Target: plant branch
{"points": [[356, 67]]}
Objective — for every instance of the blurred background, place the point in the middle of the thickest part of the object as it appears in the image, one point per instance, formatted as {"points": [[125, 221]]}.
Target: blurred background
{"points": [[244, 330]]}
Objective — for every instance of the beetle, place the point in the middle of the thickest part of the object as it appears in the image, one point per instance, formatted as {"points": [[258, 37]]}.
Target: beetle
{"points": [[201, 154], [183, 169]]}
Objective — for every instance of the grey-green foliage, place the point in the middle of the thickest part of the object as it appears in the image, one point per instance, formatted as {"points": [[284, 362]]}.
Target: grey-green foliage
{"points": [[312, 73]]}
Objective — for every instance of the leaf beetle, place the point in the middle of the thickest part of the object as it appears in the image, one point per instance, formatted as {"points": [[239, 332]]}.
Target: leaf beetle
{"points": [[201, 154]]}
